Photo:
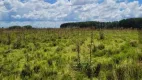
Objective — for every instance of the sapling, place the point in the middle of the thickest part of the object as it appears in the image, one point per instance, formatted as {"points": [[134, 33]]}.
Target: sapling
{"points": [[78, 51], [90, 61], [17, 44], [78, 55], [91, 44], [8, 39], [24, 37], [101, 35]]}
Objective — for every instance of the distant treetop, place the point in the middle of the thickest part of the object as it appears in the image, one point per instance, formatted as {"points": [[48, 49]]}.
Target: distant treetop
{"points": [[21, 27], [125, 23]]}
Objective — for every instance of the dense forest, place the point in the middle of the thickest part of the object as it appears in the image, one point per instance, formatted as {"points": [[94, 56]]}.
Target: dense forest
{"points": [[125, 23]]}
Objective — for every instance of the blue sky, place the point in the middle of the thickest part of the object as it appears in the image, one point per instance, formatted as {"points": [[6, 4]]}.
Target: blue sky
{"points": [[51, 1], [54, 12]]}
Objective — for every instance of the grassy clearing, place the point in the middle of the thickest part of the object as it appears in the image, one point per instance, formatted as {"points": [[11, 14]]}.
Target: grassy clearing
{"points": [[64, 54]]}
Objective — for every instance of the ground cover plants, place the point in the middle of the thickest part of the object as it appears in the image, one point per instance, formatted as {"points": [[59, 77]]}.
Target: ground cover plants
{"points": [[70, 54]]}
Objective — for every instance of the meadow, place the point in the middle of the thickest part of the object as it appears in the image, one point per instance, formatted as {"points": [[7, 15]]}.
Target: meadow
{"points": [[70, 54]]}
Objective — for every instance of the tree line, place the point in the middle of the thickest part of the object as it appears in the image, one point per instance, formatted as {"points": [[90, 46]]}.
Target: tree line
{"points": [[125, 23], [20, 27]]}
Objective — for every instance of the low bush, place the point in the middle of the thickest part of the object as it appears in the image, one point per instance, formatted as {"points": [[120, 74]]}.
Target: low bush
{"points": [[101, 35], [133, 43], [101, 46]]}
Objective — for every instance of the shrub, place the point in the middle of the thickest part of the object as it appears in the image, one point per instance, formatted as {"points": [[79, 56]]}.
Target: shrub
{"points": [[51, 73], [113, 51], [101, 35], [26, 72], [110, 76], [45, 50], [117, 58], [66, 77], [15, 27], [120, 72], [74, 49], [50, 62], [59, 48], [37, 45], [109, 52], [27, 27], [94, 49], [101, 46], [91, 71], [133, 43], [128, 71], [7, 51], [54, 44], [36, 69], [8, 39], [17, 45], [97, 70], [140, 57], [100, 53]]}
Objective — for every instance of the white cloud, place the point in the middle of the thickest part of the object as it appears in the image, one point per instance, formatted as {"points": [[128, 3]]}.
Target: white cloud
{"points": [[65, 10], [83, 2]]}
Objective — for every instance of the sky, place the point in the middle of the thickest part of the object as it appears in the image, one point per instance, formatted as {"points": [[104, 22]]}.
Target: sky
{"points": [[52, 13]]}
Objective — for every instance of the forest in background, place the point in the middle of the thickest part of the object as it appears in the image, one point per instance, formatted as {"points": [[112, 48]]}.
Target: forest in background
{"points": [[125, 23]]}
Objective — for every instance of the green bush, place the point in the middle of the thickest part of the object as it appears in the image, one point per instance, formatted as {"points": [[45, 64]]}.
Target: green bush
{"points": [[101, 35], [15, 27], [27, 27], [101, 46], [26, 72], [17, 45], [133, 43]]}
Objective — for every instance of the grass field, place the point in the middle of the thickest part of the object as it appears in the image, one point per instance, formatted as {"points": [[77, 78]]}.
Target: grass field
{"points": [[70, 54]]}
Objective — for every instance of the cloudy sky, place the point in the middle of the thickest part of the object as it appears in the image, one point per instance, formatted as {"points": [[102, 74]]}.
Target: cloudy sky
{"points": [[51, 13]]}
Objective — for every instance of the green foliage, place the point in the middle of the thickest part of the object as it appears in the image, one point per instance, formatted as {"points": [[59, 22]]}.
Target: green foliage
{"points": [[21, 27], [101, 47], [17, 43], [101, 35], [64, 54], [14, 27], [133, 43], [27, 27], [26, 72], [125, 23]]}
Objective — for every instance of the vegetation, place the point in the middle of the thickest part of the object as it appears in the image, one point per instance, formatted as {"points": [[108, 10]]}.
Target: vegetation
{"points": [[70, 54], [21, 27], [125, 23]]}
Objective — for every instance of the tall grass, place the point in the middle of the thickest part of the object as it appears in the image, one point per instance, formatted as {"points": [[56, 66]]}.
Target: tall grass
{"points": [[70, 54]]}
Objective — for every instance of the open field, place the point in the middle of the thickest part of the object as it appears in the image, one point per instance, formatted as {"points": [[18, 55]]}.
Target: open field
{"points": [[70, 54]]}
